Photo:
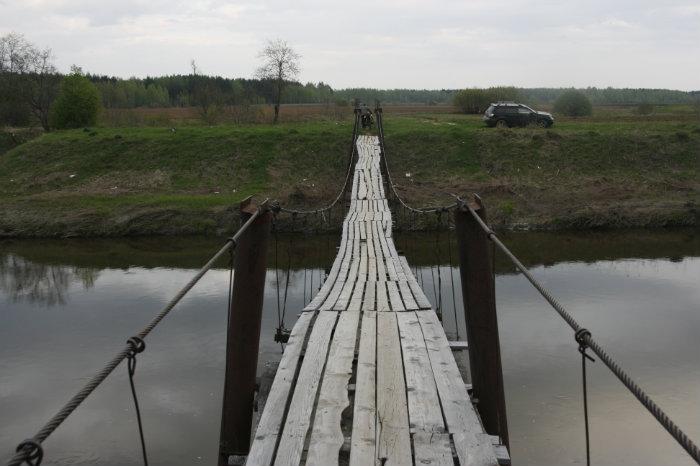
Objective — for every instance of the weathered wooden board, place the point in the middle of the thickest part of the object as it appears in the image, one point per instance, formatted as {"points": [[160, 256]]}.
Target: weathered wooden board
{"points": [[270, 424], [363, 443], [424, 409], [460, 417], [393, 435], [432, 449], [298, 419], [327, 436]]}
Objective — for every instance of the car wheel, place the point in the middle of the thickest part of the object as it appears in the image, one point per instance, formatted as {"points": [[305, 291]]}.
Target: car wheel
{"points": [[542, 123], [501, 124]]}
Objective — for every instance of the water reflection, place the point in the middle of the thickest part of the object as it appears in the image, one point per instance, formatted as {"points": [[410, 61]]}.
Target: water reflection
{"points": [[37, 283], [637, 291]]}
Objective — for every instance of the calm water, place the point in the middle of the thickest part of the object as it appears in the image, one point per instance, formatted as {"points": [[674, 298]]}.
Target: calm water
{"points": [[67, 306]]}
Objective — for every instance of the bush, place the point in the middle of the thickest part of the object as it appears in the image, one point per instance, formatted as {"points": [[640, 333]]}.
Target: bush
{"points": [[471, 100], [645, 109], [78, 103], [573, 103], [478, 100]]}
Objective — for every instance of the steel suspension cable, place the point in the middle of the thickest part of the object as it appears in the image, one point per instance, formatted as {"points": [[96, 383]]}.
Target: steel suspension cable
{"points": [[343, 189], [584, 337], [30, 449], [420, 210]]}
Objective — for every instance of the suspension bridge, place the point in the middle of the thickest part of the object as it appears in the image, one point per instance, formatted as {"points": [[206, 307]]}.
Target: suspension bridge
{"points": [[368, 376]]}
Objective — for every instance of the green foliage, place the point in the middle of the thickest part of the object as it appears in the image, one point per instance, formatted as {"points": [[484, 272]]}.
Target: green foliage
{"points": [[477, 100], [132, 93], [179, 90], [78, 103], [573, 103], [14, 110], [471, 100]]}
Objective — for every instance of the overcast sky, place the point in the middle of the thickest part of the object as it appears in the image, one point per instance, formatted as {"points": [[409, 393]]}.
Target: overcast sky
{"points": [[379, 43]]}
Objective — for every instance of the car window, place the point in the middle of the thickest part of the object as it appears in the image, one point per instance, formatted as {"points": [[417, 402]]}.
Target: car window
{"points": [[511, 110], [489, 110], [524, 111]]}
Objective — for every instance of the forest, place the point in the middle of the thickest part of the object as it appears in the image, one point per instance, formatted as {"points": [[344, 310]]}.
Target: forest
{"points": [[186, 90]]}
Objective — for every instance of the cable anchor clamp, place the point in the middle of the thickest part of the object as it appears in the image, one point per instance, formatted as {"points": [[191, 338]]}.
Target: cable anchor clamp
{"points": [[136, 346], [33, 451], [580, 337], [282, 335]]}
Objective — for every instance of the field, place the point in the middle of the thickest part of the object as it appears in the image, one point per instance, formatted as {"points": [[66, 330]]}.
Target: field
{"points": [[616, 169]]}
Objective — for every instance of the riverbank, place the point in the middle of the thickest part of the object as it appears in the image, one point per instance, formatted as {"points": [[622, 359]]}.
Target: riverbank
{"points": [[592, 173]]}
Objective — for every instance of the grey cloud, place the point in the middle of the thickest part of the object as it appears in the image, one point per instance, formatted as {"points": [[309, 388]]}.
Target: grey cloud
{"points": [[406, 43]]}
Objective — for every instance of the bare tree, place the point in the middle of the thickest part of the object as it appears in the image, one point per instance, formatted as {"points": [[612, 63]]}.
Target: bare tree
{"points": [[29, 72], [280, 65], [206, 95]]}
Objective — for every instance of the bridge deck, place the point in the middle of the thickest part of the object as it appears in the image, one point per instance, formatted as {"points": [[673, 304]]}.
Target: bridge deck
{"points": [[370, 328]]}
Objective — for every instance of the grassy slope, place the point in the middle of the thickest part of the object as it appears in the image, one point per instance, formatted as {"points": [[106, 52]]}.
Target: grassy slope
{"points": [[578, 174], [155, 180], [143, 180]]}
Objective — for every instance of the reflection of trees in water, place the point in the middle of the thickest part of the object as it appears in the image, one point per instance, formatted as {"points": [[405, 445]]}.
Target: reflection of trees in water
{"points": [[23, 280]]}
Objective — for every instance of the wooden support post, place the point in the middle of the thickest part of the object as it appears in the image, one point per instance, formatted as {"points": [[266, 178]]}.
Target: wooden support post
{"points": [[243, 334], [478, 293]]}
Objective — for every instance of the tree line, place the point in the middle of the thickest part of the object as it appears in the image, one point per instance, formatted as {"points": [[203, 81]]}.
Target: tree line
{"points": [[30, 83]]}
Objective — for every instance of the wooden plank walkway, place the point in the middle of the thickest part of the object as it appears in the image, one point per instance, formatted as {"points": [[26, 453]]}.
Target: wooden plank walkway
{"points": [[370, 327]]}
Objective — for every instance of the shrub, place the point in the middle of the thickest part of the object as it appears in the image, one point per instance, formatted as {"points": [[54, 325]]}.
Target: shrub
{"points": [[478, 100], [78, 102], [471, 100], [573, 103], [645, 109]]}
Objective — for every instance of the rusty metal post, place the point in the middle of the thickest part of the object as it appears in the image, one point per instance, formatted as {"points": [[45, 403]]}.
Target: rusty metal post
{"points": [[478, 293], [243, 334]]}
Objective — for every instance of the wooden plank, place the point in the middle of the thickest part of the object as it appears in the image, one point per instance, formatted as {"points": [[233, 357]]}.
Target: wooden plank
{"points": [[424, 411], [342, 272], [421, 299], [501, 451], [363, 442], [393, 438], [379, 253], [458, 345], [382, 300], [368, 303], [332, 275], [432, 449], [460, 417], [362, 272], [344, 297], [326, 435], [270, 425], [298, 418], [362, 187], [357, 294], [406, 296], [394, 297]]}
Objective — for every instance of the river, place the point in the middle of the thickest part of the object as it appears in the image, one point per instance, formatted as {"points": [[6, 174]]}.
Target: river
{"points": [[66, 306]]}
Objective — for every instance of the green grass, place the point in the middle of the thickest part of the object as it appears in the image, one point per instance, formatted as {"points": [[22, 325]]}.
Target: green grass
{"points": [[582, 172]]}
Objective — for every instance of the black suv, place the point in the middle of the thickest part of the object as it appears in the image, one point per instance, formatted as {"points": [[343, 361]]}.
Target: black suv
{"points": [[505, 114]]}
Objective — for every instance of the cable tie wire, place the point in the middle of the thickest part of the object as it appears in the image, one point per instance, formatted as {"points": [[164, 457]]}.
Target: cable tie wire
{"points": [[580, 337]]}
